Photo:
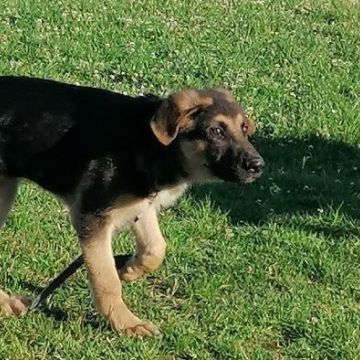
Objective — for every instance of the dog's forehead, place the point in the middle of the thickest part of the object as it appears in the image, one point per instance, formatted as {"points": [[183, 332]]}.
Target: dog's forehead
{"points": [[224, 103]]}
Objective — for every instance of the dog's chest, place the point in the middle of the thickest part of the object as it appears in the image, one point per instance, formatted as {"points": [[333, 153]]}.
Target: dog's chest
{"points": [[166, 198], [129, 212]]}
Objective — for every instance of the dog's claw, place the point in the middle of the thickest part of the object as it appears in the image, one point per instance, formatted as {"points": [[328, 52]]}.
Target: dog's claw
{"points": [[142, 330]]}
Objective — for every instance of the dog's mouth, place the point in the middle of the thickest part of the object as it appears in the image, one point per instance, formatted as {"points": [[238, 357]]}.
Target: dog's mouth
{"points": [[247, 176], [235, 174], [251, 177]]}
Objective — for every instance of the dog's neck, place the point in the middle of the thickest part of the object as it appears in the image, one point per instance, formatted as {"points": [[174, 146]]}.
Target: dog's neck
{"points": [[161, 166], [164, 168]]}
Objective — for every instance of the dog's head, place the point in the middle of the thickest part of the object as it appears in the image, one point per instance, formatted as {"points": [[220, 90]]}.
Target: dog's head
{"points": [[212, 132]]}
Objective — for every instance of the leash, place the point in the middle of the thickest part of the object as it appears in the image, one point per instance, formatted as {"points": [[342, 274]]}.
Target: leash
{"points": [[120, 260]]}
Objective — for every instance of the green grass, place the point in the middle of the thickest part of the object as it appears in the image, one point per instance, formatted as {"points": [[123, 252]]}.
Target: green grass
{"points": [[265, 271]]}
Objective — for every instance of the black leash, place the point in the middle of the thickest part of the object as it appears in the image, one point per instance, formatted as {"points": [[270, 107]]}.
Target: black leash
{"points": [[120, 260]]}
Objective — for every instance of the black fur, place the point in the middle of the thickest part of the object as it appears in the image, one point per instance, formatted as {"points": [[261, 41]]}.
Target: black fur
{"points": [[60, 136]]}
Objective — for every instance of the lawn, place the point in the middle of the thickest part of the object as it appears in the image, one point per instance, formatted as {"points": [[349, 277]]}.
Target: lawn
{"points": [[265, 271]]}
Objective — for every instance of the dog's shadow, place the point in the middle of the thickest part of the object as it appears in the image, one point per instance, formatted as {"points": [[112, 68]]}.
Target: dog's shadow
{"points": [[53, 312], [56, 313], [302, 176]]}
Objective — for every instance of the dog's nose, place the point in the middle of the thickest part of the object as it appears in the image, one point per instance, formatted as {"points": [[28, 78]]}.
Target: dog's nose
{"points": [[255, 165]]}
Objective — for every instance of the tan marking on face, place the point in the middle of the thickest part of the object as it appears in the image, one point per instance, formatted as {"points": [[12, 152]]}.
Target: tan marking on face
{"points": [[252, 126], [195, 161], [234, 124]]}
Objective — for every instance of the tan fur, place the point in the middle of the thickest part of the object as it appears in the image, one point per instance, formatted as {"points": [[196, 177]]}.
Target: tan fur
{"points": [[193, 150], [252, 127], [190, 99], [234, 124], [105, 283], [126, 211], [4, 303], [167, 197], [99, 260], [175, 114], [13, 305], [195, 161], [150, 244]]}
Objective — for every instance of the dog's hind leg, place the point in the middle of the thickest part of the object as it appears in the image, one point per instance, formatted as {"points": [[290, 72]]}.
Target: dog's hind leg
{"points": [[150, 244], [10, 305]]}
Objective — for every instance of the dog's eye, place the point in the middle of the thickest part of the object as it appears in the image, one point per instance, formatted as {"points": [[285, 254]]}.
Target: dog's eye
{"points": [[217, 131], [245, 128]]}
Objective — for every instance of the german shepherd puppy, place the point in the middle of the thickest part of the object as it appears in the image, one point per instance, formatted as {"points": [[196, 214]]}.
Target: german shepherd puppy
{"points": [[115, 160]]}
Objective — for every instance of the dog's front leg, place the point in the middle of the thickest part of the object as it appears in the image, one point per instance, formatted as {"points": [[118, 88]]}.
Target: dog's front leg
{"points": [[150, 244], [95, 235]]}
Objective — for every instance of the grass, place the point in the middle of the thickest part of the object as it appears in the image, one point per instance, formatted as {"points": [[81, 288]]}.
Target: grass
{"points": [[266, 271]]}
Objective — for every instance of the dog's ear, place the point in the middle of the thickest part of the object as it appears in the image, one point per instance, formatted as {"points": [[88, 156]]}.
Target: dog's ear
{"points": [[251, 126], [223, 91], [175, 113]]}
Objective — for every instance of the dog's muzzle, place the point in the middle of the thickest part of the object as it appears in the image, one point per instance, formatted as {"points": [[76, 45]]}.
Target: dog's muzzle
{"points": [[254, 165]]}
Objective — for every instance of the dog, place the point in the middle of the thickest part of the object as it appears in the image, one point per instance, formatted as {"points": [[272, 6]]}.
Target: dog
{"points": [[115, 161]]}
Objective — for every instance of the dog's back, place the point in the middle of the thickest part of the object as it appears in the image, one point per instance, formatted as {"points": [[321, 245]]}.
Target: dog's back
{"points": [[49, 131]]}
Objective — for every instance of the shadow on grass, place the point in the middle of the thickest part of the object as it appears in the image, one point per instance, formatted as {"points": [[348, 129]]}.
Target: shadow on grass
{"points": [[91, 319], [52, 312], [302, 176]]}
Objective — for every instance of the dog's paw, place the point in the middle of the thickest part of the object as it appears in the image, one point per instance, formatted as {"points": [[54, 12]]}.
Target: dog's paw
{"points": [[141, 330], [16, 305], [130, 273], [123, 320]]}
